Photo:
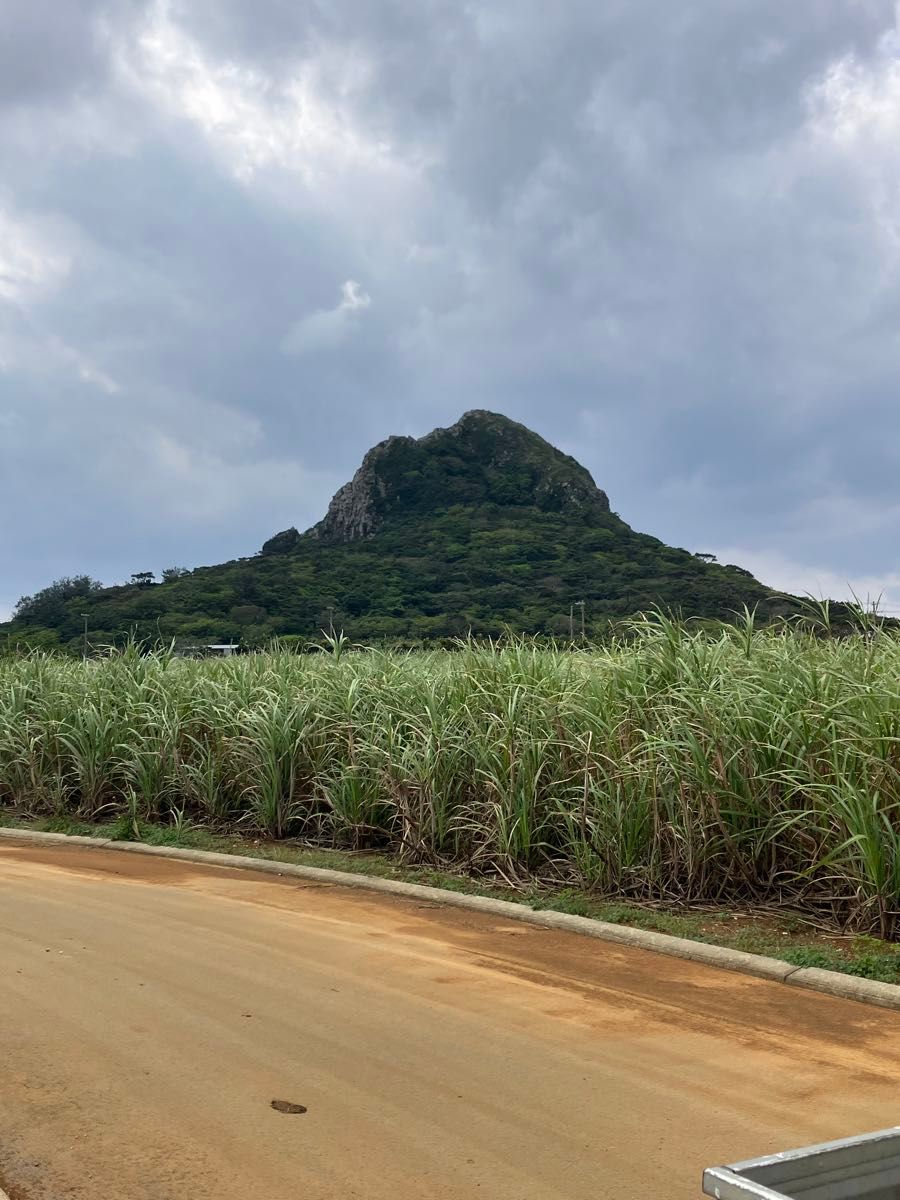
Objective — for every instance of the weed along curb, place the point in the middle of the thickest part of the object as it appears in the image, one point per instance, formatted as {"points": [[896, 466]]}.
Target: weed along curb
{"points": [[831, 983]]}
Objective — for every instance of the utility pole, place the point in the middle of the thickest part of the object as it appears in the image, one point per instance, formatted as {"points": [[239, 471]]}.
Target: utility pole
{"points": [[580, 604], [571, 622], [84, 644], [331, 619]]}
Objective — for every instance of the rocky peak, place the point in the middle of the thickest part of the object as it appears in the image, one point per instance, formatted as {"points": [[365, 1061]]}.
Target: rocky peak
{"points": [[485, 458]]}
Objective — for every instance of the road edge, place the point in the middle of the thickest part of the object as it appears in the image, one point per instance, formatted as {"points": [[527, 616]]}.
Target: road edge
{"points": [[830, 983]]}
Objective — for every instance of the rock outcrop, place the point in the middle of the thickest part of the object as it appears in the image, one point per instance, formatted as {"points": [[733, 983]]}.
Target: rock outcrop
{"points": [[282, 543], [485, 458]]}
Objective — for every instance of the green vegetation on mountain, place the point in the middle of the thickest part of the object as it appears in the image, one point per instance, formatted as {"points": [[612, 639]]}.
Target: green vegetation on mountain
{"points": [[482, 527]]}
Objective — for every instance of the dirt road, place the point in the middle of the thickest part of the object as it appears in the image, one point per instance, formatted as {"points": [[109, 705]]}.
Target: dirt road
{"points": [[151, 1011]]}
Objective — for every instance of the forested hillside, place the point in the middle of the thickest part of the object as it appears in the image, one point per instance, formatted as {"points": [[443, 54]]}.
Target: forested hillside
{"points": [[481, 527]]}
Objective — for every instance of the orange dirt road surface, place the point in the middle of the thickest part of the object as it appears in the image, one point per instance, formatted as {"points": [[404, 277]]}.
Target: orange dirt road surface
{"points": [[152, 1010]]}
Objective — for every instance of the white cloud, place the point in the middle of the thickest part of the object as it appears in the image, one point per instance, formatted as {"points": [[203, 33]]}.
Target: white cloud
{"points": [[855, 122], [88, 373], [251, 119], [72, 359], [193, 482], [194, 461], [857, 99], [32, 259], [41, 355], [328, 328], [785, 574]]}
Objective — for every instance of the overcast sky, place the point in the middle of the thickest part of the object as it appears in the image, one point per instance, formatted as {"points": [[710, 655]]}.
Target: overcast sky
{"points": [[243, 240]]}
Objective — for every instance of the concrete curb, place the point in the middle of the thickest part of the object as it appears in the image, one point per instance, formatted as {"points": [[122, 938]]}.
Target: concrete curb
{"points": [[847, 987], [831, 983]]}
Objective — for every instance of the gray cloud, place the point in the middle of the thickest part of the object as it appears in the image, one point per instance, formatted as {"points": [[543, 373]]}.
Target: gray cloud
{"points": [[663, 235], [48, 50]]}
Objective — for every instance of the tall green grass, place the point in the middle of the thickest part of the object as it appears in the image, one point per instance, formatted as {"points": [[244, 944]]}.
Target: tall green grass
{"points": [[749, 765]]}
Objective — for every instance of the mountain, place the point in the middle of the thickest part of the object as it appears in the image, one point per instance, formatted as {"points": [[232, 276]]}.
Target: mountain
{"points": [[483, 526]]}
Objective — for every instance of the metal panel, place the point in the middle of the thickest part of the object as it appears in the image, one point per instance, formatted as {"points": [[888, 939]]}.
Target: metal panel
{"points": [[859, 1168], [725, 1184]]}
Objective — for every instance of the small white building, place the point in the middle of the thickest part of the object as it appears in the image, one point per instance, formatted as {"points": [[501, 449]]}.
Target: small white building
{"points": [[206, 650]]}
